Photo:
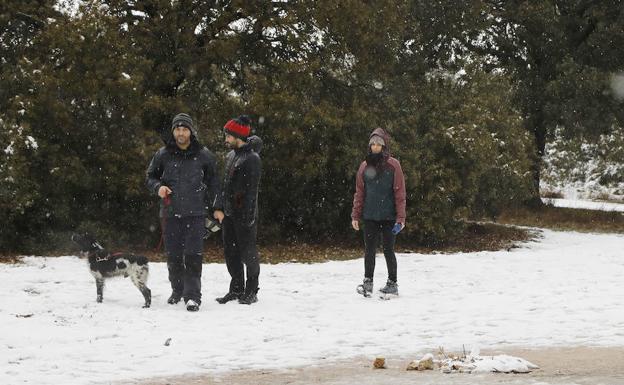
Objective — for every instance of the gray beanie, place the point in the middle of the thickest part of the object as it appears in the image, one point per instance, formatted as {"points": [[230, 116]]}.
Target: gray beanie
{"points": [[185, 120], [376, 139]]}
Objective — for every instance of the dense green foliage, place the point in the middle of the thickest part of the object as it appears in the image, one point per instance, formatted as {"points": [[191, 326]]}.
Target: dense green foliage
{"points": [[467, 97], [562, 55]]}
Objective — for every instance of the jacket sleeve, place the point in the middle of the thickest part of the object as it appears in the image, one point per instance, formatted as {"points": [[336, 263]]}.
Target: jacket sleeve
{"points": [[219, 199], [399, 192], [154, 173], [252, 171], [211, 180], [358, 197], [219, 202]]}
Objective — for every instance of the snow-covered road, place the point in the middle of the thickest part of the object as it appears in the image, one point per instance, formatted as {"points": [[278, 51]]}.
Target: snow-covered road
{"points": [[563, 290]]}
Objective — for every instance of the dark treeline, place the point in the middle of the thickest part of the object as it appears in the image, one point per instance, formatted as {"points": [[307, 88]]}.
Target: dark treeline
{"points": [[469, 90]]}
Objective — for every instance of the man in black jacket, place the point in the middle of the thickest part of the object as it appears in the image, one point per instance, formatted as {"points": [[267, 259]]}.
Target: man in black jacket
{"points": [[237, 210], [183, 174]]}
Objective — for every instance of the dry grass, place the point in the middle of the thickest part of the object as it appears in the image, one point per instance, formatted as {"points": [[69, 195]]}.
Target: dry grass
{"points": [[558, 218], [9, 259], [476, 236], [479, 236], [278, 253], [551, 194]]}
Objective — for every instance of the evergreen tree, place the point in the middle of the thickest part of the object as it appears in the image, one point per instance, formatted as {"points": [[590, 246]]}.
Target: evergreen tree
{"points": [[21, 25], [563, 55], [88, 168], [96, 92]]}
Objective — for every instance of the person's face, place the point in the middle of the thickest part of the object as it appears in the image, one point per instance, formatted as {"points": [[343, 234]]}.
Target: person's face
{"points": [[231, 141], [376, 148], [182, 136]]}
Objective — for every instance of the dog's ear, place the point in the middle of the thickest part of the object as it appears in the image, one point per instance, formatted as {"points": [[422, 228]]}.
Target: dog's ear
{"points": [[78, 238], [88, 238]]}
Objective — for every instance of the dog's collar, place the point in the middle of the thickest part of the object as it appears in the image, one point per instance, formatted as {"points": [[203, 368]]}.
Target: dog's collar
{"points": [[106, 258]]}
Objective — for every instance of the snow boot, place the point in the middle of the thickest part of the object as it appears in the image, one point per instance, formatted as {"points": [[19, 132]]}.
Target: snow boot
{"points": [[249, 298], [391, 290], [366, 288], [174, 298], [192, 305], [230, 296]]}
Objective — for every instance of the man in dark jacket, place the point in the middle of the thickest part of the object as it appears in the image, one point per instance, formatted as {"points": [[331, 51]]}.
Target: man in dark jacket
{"points": [[183, 174], [238, 210]]}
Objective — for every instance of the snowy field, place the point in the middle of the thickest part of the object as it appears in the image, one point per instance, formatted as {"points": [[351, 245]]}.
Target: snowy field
{"points": [[563, 290], [584, 204]]}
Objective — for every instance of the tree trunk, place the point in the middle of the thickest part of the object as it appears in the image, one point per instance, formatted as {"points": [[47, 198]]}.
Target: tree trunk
{"points": [[538, 128]]}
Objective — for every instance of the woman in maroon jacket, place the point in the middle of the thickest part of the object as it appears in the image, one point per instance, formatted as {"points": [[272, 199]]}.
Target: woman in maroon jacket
{"points": [[379, 201]]}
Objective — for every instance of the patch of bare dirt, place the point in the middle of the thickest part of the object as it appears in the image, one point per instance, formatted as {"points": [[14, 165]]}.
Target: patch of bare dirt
{"points": [[558, 366]]}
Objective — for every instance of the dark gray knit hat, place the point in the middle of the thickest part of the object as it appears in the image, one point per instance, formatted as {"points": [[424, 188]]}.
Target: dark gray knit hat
{"points": [[185, 120]]}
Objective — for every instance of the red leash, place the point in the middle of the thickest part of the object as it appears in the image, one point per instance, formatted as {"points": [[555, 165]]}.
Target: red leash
{"points": [[163, 221]]}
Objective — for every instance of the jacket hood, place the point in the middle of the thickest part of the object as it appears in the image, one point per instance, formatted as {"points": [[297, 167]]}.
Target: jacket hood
{"points": [[255, 143], [381, 133], [386, 138]]}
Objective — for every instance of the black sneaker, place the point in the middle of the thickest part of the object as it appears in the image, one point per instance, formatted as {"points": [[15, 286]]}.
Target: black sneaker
{"points": [[228, 297], [174, 298], [192, 305]]}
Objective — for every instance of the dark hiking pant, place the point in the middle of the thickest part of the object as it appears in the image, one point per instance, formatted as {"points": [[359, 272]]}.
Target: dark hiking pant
{"points": [[372, 230], [239, 245], [184, 242]]}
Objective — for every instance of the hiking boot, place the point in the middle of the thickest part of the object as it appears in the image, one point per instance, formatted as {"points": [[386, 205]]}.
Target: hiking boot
{"points": [[249, 298], [192, 305], [228, 297], [174, 298], [366, 288], [391, 289]]}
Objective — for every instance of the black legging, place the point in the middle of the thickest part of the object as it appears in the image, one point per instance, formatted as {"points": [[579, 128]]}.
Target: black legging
{"points": [[372, 229]]}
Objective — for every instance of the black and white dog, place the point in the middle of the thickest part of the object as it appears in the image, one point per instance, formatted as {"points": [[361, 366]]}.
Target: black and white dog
{"points": [[105, 265]]}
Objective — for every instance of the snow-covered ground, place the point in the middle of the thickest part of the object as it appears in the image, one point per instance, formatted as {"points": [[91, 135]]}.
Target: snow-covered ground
{"points": [[577, 168], [563, 290], [584, 204]]}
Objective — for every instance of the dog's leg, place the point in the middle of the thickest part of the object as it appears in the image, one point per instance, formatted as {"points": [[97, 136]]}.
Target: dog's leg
{"points": [[99, 285], [147, 294], [139, 278]]}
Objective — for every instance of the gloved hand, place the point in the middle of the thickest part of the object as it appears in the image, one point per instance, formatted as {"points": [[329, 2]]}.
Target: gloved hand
{"points": [[397, 228]]}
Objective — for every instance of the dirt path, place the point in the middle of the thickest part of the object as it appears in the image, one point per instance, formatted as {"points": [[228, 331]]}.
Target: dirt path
{"points": [[570, 366]]}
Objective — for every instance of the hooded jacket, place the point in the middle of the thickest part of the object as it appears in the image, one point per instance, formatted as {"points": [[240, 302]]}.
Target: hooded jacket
{"points": [[191, 176], [379, 188], [241, 180]]}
